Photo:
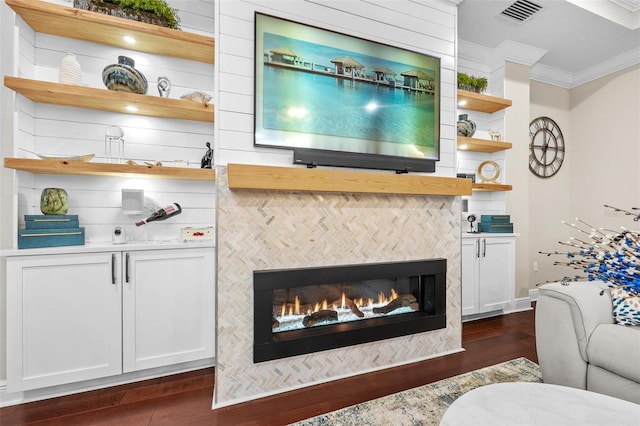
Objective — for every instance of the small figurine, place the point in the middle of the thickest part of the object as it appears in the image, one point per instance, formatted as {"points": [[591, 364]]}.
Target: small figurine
{"points": [[207, 158], [164, 87], [495, 136]]}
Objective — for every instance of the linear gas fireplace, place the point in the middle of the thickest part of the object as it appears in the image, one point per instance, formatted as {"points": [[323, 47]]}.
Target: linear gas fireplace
{"points": [[304, 310]]}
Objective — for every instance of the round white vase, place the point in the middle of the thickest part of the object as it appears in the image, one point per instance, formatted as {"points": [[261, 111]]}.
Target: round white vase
{"points": [[70, 72]]}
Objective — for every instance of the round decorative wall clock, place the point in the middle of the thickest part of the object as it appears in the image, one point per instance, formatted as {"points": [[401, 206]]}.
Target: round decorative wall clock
{"points": [[546, 147]]}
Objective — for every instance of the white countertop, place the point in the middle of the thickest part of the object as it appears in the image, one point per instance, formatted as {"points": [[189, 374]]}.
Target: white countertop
{"points": [[108, 246], [489, 234]]}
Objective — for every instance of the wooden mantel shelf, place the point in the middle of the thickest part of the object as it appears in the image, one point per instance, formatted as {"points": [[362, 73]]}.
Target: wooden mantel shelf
{"points": [[242, 176], [81, 24], [65, 167], [108, 100]]}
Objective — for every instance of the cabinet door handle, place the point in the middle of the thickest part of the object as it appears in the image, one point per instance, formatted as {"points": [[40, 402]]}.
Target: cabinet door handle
{"points": [[478, 249], [113, 268], [126, 268], [484, 247]]}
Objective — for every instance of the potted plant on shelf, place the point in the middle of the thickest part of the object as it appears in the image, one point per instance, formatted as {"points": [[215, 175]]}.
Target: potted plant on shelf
{"points": [[471, 83], [155, 12]]}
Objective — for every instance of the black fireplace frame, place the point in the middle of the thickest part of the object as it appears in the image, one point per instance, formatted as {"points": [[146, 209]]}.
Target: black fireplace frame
{"points": [[270, 346]]}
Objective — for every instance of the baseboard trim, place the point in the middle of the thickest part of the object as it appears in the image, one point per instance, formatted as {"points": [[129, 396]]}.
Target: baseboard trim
{"points": [[533, 294], [7, 399], [516, 305]]}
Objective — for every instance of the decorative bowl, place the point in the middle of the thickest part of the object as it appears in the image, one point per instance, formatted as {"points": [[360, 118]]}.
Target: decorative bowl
{"points": [[199, 97], [123, 77], [84, 158]]}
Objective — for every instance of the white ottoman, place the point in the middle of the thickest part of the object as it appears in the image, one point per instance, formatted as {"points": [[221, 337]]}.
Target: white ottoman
{"points": [[522, 403]]}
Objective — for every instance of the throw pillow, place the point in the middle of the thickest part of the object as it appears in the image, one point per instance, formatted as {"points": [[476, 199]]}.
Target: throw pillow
{"points": [[626, 307]]}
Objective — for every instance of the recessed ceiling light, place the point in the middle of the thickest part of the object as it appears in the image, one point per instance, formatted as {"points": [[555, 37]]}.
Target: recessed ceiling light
{"points": [[129, 39], [131, 108], [462, 103]]}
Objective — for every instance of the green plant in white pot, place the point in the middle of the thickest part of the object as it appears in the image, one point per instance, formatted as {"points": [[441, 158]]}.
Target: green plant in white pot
{"points": [[471, 83], [159, 8]]}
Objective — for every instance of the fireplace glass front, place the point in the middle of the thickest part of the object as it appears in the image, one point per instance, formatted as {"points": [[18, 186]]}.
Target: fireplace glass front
{"points": [[304, 310]]}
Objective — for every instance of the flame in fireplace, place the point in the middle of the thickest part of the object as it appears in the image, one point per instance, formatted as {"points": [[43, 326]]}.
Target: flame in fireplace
{"points": [[296, 308]]}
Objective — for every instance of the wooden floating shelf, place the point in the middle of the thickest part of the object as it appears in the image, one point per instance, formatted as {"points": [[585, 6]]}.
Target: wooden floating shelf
{"points": [[481, 145], [108, 100], [491, 187], [95, 27], [481, 103], [243, 176], [66, 167]]}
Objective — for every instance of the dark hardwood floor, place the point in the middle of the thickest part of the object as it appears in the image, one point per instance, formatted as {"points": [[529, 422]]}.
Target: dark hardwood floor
{"points": [[185, 399]]}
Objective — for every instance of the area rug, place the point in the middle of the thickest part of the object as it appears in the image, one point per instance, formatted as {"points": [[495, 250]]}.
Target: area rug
{"points": [[425, 405]]}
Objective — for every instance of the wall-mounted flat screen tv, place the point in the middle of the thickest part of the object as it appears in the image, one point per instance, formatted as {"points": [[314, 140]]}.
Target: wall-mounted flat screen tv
{"points": [[341, 100]]}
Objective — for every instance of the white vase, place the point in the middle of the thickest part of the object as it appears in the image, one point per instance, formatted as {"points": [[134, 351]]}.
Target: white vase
{"points": [[70, 72]]}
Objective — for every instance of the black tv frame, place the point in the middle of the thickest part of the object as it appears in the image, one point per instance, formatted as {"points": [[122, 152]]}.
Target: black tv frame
{"points": [[314, 157]]}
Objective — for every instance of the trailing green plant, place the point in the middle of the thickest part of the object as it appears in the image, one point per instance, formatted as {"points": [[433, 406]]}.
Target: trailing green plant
{"points": [[158, 7], [471, 83]]}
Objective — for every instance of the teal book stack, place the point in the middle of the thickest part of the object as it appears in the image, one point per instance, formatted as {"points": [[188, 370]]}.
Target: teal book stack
{"points": [[50, 231], [495, 224]]}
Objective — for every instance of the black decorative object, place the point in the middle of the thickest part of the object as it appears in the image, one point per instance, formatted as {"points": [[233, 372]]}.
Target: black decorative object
{"points": [[207, 158]]}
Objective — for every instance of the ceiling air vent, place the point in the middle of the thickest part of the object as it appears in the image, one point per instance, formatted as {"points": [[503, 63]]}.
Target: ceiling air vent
{"points": [[521, 10]]}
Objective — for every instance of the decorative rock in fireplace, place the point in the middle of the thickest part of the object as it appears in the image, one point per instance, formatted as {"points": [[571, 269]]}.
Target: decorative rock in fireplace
{"points": [[305, 310]]}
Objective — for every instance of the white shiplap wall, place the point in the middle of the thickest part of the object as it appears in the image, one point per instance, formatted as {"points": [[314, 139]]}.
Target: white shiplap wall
{"points": [[425, 26], [50, 129]]}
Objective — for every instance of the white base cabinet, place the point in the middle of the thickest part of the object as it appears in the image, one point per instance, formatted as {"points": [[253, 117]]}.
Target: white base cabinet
{"points": [[63, 320], [488, 273], [75, 317], [167, 303]]}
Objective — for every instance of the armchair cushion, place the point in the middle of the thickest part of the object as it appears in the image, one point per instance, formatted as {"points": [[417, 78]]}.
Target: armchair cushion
{"points": [[593, 298], [616, 349]]}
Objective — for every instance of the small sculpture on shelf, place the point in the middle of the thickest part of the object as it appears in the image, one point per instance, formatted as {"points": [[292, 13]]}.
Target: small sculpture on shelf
{"points": [[114, 144], [207, 158], [164, 87]]}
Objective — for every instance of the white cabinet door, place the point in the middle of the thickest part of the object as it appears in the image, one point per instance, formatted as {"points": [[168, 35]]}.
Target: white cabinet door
{"points": [[497, 273], [168, 307], [63, 319], [470, 276]]}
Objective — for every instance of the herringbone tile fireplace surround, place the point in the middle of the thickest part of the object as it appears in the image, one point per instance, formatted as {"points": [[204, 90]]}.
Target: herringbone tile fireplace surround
{"points": [[260, 230]]}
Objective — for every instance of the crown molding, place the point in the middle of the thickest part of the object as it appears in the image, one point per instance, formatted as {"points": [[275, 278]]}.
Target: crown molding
{"points": [[567, 80], [519, 53], [529, 55], [508, 50], [621, 12]]}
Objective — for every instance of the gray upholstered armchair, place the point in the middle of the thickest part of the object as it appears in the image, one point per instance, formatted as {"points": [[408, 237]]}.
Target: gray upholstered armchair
{"points": [[579, 345]]}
